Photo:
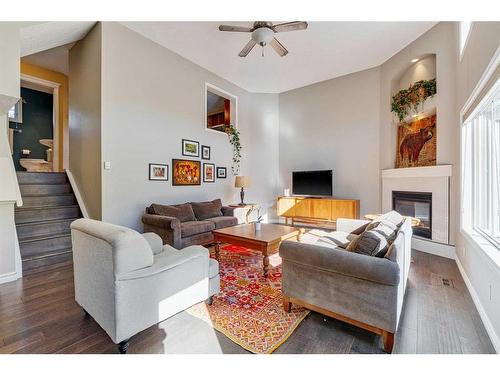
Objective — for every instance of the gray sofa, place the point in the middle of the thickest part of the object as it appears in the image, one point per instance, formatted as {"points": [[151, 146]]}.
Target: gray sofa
{"points": [[363, 290], [188, 224], [128, 282]]}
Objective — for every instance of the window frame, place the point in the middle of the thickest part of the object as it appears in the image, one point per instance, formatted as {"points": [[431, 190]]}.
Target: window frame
{"points": [[488, 86]]}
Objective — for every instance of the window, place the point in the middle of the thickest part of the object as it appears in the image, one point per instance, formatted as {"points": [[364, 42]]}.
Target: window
{"points": [[481, 168], [465, 27]]}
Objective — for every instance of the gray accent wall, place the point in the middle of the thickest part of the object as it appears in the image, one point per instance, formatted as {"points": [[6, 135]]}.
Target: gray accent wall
{"points": [[85, 119], [152, 98], [335, 125]]}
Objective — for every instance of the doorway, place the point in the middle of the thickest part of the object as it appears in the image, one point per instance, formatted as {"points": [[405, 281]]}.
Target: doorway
{"points": [[32, 130]]}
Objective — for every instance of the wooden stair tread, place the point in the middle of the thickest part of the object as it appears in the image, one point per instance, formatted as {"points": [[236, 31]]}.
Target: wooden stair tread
{"points": [[49, 254], [51, 221], [45, 237], [46, 207]]}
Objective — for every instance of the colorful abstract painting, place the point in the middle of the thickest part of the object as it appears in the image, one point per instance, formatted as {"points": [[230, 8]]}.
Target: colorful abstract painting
{"points": [[186, 172], [417, 143]]}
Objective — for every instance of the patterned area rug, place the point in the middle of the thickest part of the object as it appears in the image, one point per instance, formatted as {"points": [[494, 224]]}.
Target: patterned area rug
{"points": [[249, 308]]}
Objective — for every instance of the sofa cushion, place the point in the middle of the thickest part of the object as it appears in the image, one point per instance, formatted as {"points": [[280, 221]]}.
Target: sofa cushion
{"points": [[375, 240], [223, 221], [183, 212], [190, 228], [205, 210]]}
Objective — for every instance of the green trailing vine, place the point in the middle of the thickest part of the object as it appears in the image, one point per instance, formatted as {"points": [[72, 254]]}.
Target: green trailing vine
{"points": [[410, 99], [234, 139]]}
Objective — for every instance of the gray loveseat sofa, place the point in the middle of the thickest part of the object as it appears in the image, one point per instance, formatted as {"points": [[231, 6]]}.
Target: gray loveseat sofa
{"points": [[188, 224], [363, 290]]}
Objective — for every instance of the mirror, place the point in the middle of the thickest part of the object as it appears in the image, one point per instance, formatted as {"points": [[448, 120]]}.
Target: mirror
{"points": [[220, 109]]}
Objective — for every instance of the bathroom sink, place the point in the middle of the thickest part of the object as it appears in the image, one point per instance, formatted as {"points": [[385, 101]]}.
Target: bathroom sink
{"points": [[47, 142]]}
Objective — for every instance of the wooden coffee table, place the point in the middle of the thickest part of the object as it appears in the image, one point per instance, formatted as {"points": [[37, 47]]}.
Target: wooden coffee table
{"points": [[267, 240]]}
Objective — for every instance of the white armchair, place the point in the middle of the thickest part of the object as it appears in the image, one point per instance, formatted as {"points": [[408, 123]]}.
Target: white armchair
{"points": [[128, 282]]}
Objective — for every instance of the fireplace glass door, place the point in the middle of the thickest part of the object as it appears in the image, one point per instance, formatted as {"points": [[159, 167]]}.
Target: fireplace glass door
{"points": [[418, 205]]}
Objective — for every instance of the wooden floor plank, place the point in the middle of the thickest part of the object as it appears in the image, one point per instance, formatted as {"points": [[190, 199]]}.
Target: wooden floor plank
{"points": [[38, 314]]}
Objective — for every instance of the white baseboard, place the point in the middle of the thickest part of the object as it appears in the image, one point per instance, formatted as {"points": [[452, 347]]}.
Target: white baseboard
{"points": [[435, 248], [495, 340], [8, 277]]}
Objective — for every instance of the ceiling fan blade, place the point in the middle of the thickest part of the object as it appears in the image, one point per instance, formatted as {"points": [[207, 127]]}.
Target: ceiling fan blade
{"points": [[278, 47], [246, 50], [290, 26], [240, 29]]}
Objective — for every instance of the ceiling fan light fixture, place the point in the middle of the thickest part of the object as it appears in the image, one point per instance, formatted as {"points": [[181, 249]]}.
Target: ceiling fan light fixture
{"points": [[262, 35]]}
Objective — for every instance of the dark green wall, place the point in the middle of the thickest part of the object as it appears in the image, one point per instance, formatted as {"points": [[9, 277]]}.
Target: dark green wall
{"points": [[37, 124]]}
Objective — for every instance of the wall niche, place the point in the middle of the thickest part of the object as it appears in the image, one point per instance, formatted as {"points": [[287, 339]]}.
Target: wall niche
{"points": [[413, 103]]}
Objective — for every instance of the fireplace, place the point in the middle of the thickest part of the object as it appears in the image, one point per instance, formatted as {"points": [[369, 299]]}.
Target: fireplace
{"points": [[418, 205]]}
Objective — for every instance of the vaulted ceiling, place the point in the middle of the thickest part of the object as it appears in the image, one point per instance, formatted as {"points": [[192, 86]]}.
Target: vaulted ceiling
{"points": [[324, 51]]}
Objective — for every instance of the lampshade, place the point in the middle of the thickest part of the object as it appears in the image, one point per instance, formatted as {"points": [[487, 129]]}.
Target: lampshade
{"points": [[242, 181]]}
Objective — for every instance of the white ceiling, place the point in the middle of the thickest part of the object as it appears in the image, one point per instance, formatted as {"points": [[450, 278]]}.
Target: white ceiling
{"points": [[42, 36], [56, 59], [325, 50]]}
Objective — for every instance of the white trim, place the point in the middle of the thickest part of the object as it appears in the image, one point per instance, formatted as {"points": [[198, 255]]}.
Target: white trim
{"points": [[224, 93], [18, 261], [55, 134], [495, 340], [432, 247], [432, 171], [78, 196], [483, 81], [8, 277]]}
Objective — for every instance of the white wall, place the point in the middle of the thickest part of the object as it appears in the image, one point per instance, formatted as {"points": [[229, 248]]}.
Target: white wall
{"points": [[482, 272], [85, 119], [152, 98], [335, 125], [10, 265], [441, 40]]}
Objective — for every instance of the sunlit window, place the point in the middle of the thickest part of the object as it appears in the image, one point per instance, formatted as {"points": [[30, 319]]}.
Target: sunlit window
{"points": [[465, 27], [481, 168]]}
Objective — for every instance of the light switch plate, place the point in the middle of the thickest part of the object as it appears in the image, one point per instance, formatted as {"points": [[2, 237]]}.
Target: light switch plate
{"points": [[107, 165]]}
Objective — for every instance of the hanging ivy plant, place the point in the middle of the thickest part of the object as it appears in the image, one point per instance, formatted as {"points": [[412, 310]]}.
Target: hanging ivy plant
{"points": [[410, 99], [234, 139]]}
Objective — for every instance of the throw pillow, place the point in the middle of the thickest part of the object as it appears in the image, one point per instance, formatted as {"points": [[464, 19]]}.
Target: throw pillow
{"points": [[360, 230], [392, 216], [206, 210], [183, 212], [374, 241]]}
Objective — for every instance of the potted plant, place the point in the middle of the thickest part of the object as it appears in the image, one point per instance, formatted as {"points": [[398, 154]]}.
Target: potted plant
{"points": [[258, 222]]}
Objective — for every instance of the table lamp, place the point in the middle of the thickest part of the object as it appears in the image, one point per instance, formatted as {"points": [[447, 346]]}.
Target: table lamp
{"points": [[242, 182]]}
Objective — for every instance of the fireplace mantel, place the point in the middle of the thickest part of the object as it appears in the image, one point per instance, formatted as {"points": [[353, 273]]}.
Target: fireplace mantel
{"points": [[434, 171]]}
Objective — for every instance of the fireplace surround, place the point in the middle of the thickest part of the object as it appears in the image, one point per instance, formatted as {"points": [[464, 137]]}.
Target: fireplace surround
{"points": [[435, 180]]}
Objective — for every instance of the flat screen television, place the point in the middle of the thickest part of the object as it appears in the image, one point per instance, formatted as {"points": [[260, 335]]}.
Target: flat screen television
{"points": [[312, 183]]}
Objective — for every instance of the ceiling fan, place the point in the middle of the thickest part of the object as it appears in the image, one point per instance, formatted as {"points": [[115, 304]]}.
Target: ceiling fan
{"points": [[263, 34]]}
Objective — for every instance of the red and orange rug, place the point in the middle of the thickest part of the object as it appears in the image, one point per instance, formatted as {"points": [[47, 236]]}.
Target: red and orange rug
{"points": [[249, 308]]}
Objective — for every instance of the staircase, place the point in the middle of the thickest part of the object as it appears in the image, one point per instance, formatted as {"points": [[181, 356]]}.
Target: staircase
{"points": [[42, 223]]}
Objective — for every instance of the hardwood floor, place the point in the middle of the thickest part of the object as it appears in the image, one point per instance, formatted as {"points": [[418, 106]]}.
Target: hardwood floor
{"points": [[38, 314]]}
